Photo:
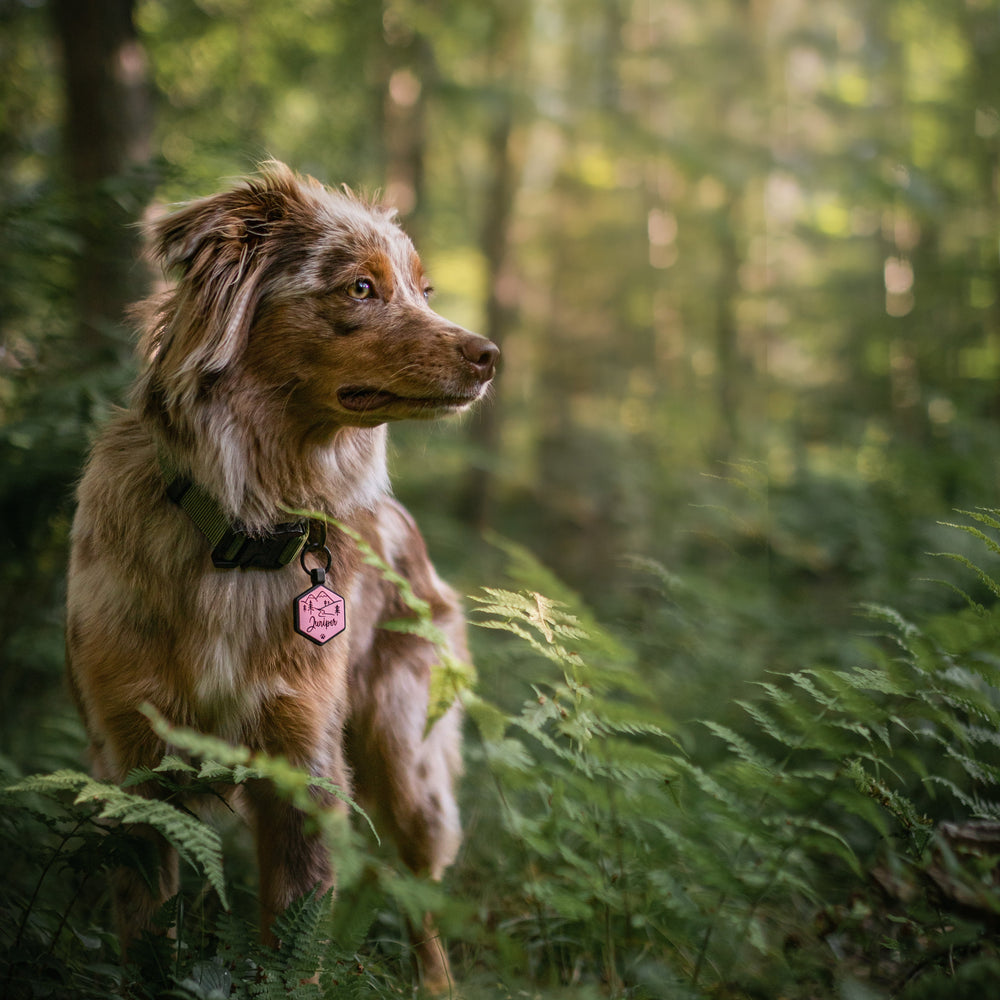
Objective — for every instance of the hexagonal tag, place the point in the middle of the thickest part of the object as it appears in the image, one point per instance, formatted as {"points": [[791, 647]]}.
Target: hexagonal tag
{"points": [[320, 614]]}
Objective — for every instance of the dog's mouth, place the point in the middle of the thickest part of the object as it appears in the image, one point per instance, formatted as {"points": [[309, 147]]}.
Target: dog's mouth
{"points": [[367, 399]]}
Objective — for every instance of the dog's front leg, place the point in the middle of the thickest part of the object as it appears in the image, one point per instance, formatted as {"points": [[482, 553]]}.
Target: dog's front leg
{"points": [[407, 778], [137, 895], [292, 857], [140, 889]]}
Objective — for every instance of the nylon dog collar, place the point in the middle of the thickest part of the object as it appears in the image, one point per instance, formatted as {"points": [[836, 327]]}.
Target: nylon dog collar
{"points": [[232, 547]]}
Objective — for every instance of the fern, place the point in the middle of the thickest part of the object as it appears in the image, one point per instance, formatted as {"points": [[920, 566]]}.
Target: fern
{"points": [[596, 773], [288, 971], [614, 816], [196, 843], [620, 851], [224, 762]]}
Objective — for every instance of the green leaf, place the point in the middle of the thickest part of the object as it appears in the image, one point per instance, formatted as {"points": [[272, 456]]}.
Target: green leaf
{"points": [[197, 843]]}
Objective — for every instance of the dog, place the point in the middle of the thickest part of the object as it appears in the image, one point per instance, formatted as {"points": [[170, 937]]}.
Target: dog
{"points": [[297, 328]]}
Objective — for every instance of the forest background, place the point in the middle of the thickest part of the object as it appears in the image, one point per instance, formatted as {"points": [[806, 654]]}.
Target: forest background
{"points": [[741, 257]]}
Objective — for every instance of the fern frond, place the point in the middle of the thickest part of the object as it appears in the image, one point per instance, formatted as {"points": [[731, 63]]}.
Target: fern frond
{"points": [[704, 781], [864, 807], [197, 843], [555, 653], [984, 515], [549, 618], [852, 687], [855, 728], [626, 761], [802, 679], [451, 679], [902, 633], [897, 804], [226, 762], [141, 775], [982, 735], [829, 841], [978, 807], [974, 605], [299, 930], [207, 980], [510, 755], [551, 744], [742, 748], [171, 762], [620, 719], [972, 707], [980, 771], [984, 577], [491, 721], [671, 582], [213, 771], [769, 725]]}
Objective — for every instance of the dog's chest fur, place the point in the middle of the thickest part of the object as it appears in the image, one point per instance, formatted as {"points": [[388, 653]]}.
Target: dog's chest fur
{"points": [[211, 648], [238, 659]]}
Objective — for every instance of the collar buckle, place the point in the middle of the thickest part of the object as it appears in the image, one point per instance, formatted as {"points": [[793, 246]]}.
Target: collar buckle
{"points": [[232, 547], [277, 548]]}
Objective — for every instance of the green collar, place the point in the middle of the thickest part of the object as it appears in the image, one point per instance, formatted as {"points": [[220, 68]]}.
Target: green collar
{"points": [[232, 546]]}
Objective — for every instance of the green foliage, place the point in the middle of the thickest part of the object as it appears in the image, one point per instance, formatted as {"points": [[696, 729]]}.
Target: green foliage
{"points": [[51, 940], [711, 237], [222, 762], [196, 843], [838, 828], [639, 864]]}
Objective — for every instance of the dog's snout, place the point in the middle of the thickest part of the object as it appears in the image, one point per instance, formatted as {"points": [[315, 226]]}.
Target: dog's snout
{"points": [[482, 354]]}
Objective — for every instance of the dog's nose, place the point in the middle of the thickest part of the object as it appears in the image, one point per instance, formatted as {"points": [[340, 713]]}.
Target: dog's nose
{"points": [[482, 354]]}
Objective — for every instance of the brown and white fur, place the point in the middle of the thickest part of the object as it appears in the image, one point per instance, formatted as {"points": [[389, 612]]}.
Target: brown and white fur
{"points": [[297, 328]]}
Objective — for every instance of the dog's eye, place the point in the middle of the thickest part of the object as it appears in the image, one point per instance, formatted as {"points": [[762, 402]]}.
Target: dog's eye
{"points": [[428, 292], [361, 289]]}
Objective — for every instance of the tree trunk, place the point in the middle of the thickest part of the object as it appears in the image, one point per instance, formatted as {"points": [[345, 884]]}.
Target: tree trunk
{"points": [[107, 139], [484, 428], [729, 368], [409, 83]]}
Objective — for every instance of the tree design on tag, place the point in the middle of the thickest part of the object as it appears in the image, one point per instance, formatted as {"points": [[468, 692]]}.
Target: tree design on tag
{"points": [[319, 614]]}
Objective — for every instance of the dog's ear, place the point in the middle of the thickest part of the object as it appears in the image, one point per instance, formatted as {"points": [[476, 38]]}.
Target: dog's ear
{"points": [[220, 249], [231, 223]]}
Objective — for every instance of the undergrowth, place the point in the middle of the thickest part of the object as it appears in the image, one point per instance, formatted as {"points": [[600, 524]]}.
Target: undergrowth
{"points": [[836, 836]]}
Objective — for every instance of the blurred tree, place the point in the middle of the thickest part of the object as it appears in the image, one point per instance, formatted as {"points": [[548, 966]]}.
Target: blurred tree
{"points": [[408, 85], [108, 128], [69, 258], [504, 101]]}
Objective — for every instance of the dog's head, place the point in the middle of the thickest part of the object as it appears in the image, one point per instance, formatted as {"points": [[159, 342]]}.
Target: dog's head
{"points": [[314, 301]]}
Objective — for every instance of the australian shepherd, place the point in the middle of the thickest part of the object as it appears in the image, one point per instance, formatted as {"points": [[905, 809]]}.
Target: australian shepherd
{"points": [[297, 327]]}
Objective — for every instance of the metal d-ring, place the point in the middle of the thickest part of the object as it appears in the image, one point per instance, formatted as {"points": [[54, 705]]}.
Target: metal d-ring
{"points": [[315, 547]]}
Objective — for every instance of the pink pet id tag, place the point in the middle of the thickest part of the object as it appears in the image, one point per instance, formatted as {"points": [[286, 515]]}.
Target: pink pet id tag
{"points": [[319, 612]]}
